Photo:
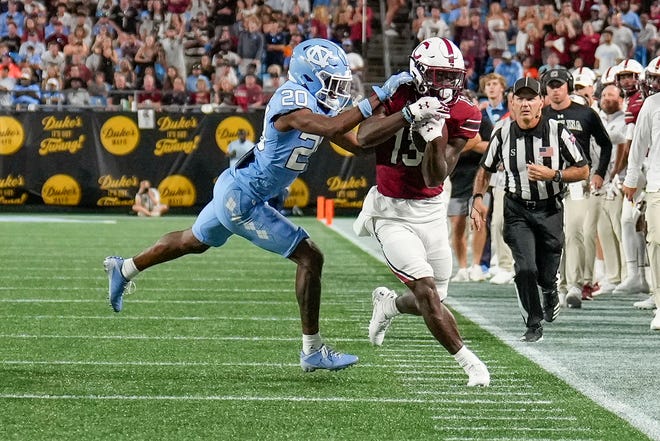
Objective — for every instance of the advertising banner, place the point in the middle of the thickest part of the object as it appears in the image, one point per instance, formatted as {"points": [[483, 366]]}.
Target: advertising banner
{"points": [[95, 160]]}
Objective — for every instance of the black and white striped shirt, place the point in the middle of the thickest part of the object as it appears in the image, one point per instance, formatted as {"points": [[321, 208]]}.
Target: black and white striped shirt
{"points": [[549, 143]]}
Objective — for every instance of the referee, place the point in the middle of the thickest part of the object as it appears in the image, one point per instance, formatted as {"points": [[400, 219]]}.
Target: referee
{"points": [[539, 156]]}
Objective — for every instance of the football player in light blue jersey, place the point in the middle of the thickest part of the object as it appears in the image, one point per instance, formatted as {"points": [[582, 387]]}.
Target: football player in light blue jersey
{"points": [[302, 112]]}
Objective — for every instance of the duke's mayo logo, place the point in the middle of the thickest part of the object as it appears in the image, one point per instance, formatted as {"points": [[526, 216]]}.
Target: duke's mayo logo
{"points": [[177, 135], [12, 135], [227, 131], [177, 191], [12, 190], [120, 135], [61, 190], [298, 194]]}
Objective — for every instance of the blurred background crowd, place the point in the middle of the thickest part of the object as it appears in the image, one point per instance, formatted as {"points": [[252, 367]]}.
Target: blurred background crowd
{"points": [[235, 53]]}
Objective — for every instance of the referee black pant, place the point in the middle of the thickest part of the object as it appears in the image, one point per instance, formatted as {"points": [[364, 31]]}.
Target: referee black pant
{"points": [[535, 234]]}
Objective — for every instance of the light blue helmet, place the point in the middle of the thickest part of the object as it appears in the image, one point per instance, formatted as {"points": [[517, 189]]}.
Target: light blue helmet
{"points": [[321, 67]]}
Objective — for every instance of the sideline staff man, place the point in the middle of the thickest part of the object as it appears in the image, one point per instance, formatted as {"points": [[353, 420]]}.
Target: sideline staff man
{"points": [[539, 156]]}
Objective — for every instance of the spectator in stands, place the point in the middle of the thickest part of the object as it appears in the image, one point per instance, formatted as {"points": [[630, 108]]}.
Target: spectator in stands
{"points": [[251, 45], [77, 95], [153, 19], [76, 43], [77, 70], [356, 25], [560, 39], [12, 39], [607, 53], [195, 41], [177, 96], [172, 44], [434, 26], [224, 93], [529, 70], [53, 56], [498, 25], [32, 49], [147, 54], [202, 94], [249, 94], [98, 90], [420, 16], [207, 68], [320, 21], [12, 15], [26, 92], [474, 39], [33, 7], [275, 42], [548, 16], [646, 40], [170, 74], [622, 36], [552, 62], [82, 19], [510, 68], [585, 45], [51, 93], [32, 26], [223, 50], [57, 35], [126, 67], [125, 16], [273, 79], [295, 40], [6, 86], [224, 13], [195, 75], [149, 96], [120, 93], [62, 15], [7, 61], [108, 58]]}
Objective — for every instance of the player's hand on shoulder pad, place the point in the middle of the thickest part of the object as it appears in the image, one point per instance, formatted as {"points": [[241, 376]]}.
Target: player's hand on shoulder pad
{"points": [[386, 91], [425, 108], [430, 128]]}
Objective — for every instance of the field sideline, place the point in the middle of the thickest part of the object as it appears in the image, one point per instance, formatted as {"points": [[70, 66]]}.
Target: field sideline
{"points": [[207, 348]]}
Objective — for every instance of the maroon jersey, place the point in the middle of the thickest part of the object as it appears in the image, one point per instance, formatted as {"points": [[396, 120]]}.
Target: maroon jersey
{"points": [[634, 105], [399, 158]]}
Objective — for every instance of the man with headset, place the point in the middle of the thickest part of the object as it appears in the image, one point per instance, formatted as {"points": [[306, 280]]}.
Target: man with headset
{"points": [[580, 215]]}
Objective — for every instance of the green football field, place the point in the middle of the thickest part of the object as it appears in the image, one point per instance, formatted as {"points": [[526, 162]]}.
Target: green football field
{"points": [[207, 348]]}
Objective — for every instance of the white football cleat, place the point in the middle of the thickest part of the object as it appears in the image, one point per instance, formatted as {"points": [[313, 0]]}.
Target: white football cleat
{"points": [[478, 374], [379, 322]]}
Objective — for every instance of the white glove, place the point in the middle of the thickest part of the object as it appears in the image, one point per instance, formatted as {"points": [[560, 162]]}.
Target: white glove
{"points": [[430, 128], [425, 108]]}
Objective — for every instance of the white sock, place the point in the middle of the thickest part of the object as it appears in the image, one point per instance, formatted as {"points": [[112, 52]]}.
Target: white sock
{"points": [[464, 357], [128, 269], [390, 309], [632, 269], [311, 343], [599, 270]]}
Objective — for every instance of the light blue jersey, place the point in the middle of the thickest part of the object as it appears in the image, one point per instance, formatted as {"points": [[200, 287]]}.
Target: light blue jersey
{"points": [[240, 194], [280, 157]]}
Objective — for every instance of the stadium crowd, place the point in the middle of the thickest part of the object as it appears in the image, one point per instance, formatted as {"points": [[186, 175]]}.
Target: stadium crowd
{"points": [[134, 53]]}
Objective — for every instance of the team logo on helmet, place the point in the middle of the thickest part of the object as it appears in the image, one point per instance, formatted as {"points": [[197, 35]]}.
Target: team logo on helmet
{"points": [[321, 56]]}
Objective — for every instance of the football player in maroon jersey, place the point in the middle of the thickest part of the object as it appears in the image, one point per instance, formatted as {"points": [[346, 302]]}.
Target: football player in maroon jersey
{"points": [[406, 211]]}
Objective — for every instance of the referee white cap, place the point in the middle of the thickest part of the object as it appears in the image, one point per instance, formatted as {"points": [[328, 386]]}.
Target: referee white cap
{"points": [[527, 84]]}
